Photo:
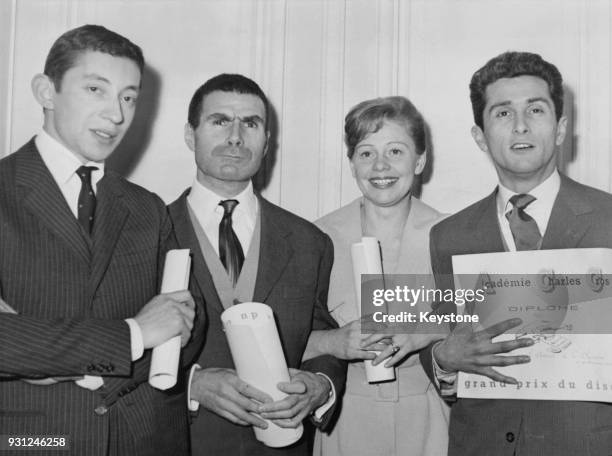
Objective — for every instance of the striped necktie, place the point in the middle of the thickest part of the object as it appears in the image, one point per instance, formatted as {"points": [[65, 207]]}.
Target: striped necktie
{"points": [[230, 250], [524, 228]]}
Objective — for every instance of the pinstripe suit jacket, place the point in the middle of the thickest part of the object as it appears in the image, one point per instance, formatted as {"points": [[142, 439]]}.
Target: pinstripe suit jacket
{"points": [[72, 294], [581, 217]]}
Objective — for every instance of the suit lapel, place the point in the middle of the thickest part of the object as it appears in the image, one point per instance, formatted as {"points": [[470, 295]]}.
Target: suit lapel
{"points": [[486, 226], [44, 200], [110, 217], [566, 225], [186, 237], [274, 253]]}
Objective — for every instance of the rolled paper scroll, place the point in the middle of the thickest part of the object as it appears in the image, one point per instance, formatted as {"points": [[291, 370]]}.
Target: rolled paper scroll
{"points": [[366, 260], [258, 356], [165, 357]]}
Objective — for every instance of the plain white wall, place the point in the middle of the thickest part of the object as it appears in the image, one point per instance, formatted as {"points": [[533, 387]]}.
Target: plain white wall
{"points": [[315, 59]]}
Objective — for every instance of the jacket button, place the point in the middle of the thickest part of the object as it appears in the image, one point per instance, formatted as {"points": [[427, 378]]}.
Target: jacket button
{"points": [[510, 437], [101, 410]]}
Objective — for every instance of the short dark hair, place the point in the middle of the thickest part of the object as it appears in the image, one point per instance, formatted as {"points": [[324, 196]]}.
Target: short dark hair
{"points": [[512, 65], [67, 47], [225, 83], [368, 116]]}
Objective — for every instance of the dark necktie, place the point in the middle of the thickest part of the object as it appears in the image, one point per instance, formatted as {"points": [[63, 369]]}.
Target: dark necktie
{"points": [[524, 228], [230, 251], [87, 198]]}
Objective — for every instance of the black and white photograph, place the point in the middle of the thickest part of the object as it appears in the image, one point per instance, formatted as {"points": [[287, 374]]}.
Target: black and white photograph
{"points": [[306, 227]]}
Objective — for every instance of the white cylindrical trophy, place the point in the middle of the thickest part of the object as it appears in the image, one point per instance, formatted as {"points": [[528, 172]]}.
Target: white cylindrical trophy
{"points": [[366, 260], [258, 356]]}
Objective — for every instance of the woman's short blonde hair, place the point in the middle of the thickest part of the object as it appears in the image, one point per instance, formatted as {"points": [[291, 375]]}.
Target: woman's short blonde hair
{"points": [[368, 117]]}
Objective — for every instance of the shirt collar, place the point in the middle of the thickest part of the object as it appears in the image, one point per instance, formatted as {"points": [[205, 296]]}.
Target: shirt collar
{"points": [[205, 201], [545, 194], [60, 161]]}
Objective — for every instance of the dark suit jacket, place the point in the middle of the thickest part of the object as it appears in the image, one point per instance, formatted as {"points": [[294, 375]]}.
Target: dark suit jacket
{"points": [[581, 218], [293, 277], [72, 294]]}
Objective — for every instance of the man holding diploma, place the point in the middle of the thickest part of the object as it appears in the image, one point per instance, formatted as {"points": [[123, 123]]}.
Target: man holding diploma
{"points": [[79, 267], [247, 249], [517, 100]]}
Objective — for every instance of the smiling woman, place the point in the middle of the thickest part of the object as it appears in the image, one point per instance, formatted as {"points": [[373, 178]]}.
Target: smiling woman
{"points": [[385, 163], [386, 141]]}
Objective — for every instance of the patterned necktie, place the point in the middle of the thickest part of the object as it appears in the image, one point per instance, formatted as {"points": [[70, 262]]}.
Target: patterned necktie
{"points": [[230, 251], [524, 228], [87, 198]]}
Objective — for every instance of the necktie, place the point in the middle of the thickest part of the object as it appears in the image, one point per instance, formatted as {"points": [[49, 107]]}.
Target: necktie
{"points": [[524, 228], [87, 198], [230, 251]]}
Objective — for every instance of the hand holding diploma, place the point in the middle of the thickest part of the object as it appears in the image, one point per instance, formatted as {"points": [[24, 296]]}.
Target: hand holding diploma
{"points": [[222, 392], [472, 351], [347, 342], [258, 356], [564, 298], [169, 324], [165, 316], [366, 260], [305, 392], [398, 346]]}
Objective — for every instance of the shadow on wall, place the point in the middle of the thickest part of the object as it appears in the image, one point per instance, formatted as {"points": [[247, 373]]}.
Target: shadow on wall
{"points": [[425, 176], [261, 180], [136, 141], [568, 150]]}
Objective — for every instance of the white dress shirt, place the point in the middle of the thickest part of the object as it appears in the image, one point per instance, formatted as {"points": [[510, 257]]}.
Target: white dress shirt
{"points": [[540, 210], [205, 205], [63, 164]]}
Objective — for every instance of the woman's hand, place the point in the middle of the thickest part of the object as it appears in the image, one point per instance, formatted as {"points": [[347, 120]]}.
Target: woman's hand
{"points": [[401, 345], [348, 342]]}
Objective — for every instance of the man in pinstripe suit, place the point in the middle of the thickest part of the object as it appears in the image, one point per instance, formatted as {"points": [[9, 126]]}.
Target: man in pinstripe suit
{"points": [[74, 329]]}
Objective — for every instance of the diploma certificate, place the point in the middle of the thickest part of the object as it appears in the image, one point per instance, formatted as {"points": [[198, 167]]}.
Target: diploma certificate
{"points": [[564, 298]]}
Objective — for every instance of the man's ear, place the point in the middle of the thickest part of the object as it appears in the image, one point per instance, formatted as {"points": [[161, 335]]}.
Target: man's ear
{"points": [[561, 130], [480, 138], [265, 151], [189, 136], [43, 90]]}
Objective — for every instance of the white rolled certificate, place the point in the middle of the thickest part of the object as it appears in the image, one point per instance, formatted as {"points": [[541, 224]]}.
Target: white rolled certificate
{"points": [[258, 356], [366, 260], [165, 357]]}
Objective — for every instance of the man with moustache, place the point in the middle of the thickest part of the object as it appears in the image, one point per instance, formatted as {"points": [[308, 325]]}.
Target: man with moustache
{"points": [[517, 101], [80, 250], [247, 249]]}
